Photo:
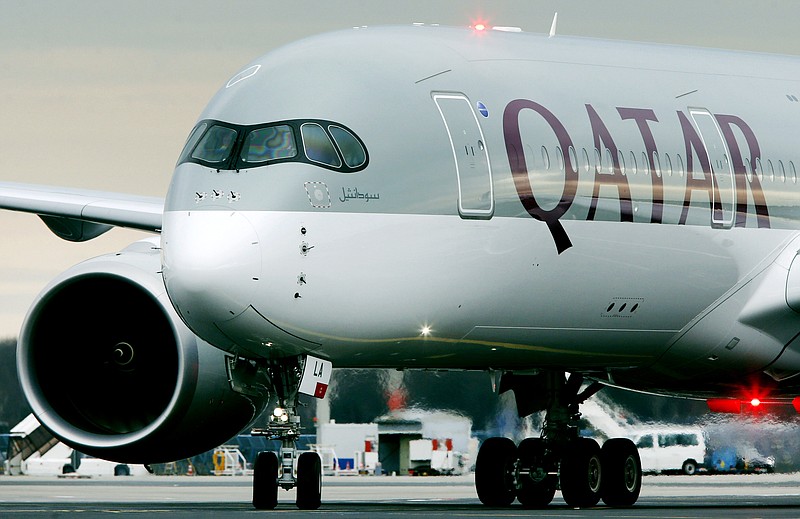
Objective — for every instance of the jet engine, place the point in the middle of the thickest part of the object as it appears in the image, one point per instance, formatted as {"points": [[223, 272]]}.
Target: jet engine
{"points": [[110, 369]]}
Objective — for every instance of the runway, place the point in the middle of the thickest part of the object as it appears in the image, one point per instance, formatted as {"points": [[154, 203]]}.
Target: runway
{"points": [[168, 497]]}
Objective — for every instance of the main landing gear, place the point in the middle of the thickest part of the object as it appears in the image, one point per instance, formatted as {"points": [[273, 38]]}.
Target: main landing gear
{"points": [[532, 470], [272, 471]]}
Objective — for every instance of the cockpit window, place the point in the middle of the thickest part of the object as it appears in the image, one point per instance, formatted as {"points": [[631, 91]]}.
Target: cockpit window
{"points": [[216, 145], [192, 141], [352, 151], [270, 143], [224, 146], [318, 145]]}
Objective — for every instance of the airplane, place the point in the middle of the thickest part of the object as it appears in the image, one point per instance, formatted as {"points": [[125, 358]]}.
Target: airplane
{"points": [[563, 213]]}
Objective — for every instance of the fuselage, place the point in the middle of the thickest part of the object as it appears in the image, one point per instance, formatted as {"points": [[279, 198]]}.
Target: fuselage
{"points": [[521, 202]]}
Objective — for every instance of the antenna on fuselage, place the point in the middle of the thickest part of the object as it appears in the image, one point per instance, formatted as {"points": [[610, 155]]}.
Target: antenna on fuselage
{"points": [[553, 25]]}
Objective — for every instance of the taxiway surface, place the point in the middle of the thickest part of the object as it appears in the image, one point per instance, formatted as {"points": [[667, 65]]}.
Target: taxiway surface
{"points": [[178, 497]]}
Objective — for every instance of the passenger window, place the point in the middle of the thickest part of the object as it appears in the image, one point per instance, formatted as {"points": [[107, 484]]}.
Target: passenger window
{"points": [[271, 143], [318, 146], [216, 145], [573, 158], [621, 158], [645, 442], [634, 166], [351, 149], [560, 158], [530, 158], [657, 164]]}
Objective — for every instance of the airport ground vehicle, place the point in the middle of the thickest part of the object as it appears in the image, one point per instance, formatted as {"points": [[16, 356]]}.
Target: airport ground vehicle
{"points": [[434, 457], [664, 450], [31, 450], [742, 460]]}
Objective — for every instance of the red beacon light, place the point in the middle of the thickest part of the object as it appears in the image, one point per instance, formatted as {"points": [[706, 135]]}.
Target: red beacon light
{"points": [[479, 26], [482, 26]]}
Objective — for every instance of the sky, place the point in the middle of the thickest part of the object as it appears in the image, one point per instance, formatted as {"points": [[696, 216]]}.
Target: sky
{"points": [[101, 94]]}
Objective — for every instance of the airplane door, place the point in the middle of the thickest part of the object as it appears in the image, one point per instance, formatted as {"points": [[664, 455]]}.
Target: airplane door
{"points": [[475, 193], [724, 192]]}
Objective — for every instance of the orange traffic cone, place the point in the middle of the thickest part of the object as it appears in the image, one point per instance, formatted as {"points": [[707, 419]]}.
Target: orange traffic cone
{"points": [[190, 470]]}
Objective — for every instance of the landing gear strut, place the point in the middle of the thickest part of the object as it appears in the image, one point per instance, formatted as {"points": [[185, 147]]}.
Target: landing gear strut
{"points": [[532, 471], [272, 471]]}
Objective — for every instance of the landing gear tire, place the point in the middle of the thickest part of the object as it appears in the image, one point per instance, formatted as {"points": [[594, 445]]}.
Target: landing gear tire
{"points": [[536, 486], [265, 481], [689, 468], [581, 473], [494, 472], [309, 481], [622, 472]]}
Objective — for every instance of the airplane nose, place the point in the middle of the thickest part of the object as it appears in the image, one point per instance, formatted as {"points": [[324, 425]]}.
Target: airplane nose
{"points": [[211, 265]]}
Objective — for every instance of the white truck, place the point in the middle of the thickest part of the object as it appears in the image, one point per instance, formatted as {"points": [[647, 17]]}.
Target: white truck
{"points": [[434, 457]]}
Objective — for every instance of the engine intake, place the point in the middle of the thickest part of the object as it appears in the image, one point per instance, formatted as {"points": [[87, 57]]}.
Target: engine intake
{"points": [[110, 369]]}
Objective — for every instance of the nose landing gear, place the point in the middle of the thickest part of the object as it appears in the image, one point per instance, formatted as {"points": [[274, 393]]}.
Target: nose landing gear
{"points": [[532, 471], [285, 378]]}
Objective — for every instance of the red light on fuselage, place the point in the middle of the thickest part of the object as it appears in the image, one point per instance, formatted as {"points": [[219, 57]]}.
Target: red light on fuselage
{"points": [[724, 405], [479, 25], [755, 402]]}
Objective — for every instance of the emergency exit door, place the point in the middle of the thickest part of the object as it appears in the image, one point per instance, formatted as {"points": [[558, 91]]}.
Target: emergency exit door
{"points": [[475, 193], [722, 180]]}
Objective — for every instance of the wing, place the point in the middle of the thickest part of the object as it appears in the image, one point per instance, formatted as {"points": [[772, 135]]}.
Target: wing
{"points": [[80, 215]]}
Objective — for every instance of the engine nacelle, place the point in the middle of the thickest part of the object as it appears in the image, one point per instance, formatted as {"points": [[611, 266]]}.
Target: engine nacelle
{"points": [[110, 369]]}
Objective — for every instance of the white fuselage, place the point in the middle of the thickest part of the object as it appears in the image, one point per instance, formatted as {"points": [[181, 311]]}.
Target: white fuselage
{"points": [[617, 208]]}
